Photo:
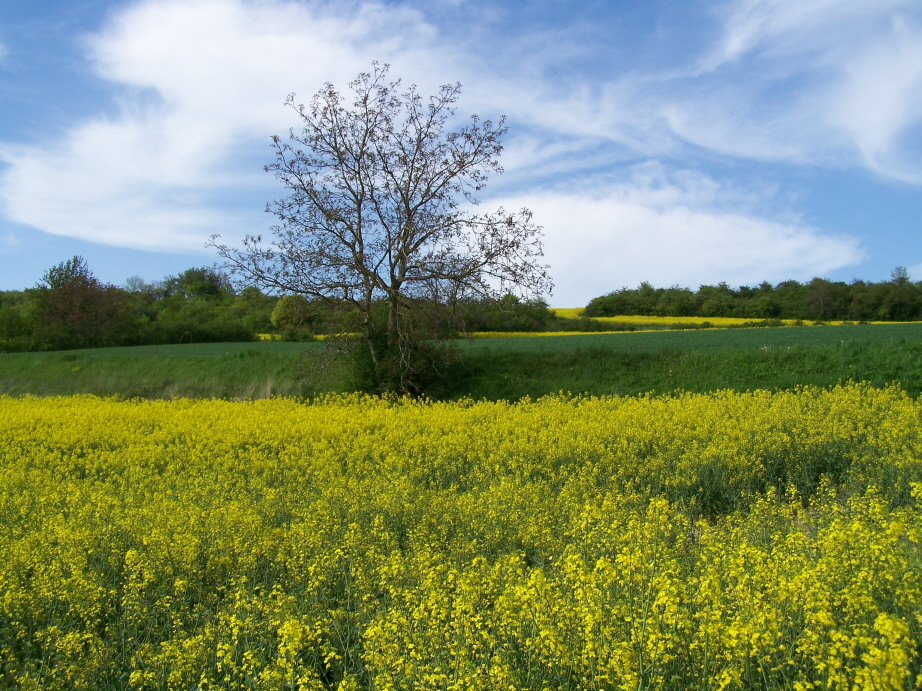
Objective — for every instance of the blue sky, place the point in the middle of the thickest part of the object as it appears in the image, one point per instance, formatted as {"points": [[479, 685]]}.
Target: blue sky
{"points": [[679, 142]]}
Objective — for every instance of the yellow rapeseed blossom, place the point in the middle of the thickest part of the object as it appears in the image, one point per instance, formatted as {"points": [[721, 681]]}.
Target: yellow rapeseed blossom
{"points": [[658, 321], [722, 541]]}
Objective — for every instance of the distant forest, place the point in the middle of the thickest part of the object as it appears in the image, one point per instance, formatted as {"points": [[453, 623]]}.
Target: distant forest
{"points": [[898, 299], [70, 308]]}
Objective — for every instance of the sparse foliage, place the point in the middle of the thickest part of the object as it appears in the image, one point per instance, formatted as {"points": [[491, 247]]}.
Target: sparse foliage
{"points": [[70, 273], [377, 228]]}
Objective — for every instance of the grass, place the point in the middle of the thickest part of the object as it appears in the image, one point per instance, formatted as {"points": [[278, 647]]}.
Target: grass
{"points": [[507, 368], [222, 370], [664, 362], [710, 339]]}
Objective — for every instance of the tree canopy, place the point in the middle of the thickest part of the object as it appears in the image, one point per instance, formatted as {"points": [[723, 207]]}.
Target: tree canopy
{"points": [[898, 299]]}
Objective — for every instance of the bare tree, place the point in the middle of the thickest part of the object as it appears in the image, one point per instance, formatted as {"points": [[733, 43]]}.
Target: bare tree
{"points": [[378, 225]]}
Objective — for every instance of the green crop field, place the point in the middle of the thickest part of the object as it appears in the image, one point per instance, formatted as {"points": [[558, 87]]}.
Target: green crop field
{"points": [[700, 361], [613, 363], [707, 339], [223, 370]]}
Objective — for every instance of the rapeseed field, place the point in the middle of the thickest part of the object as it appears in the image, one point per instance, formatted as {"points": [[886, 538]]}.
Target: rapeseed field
{"points": [[719, 322], [709, 541], [652, 320]]}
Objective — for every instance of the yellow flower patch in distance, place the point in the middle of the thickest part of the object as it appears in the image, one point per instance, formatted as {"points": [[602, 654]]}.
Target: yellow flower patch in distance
{"points": [[643, 320], [730, 540], [653, 320], [531, 334]]}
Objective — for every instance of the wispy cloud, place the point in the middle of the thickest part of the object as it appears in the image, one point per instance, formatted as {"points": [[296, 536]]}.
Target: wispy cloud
{"points": [[879, 102], [808, 81], [783, 28]]}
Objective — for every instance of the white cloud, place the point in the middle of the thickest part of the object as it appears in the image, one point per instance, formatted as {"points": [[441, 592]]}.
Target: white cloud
{"points": [[828, 82], [665, 231], [230, 63], [205, 84]]}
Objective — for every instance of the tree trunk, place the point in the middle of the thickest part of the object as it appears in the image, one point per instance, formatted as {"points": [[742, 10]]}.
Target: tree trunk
{"points": [[392, 325], [371, 333]]}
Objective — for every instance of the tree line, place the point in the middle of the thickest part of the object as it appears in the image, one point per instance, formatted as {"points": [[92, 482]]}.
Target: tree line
{"points": [[70, 308], [898, 299]]}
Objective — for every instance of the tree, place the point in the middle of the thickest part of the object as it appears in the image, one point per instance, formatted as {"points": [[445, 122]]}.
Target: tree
{"points": [[902, 301], [76, 310], [378, 226], [293, 316], [200, 282], [900, 276]]}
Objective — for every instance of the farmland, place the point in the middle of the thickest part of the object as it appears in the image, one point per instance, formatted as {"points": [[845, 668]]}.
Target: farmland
{"points": [[725, 540], [642, 320], [507, 368], [719, 509]]}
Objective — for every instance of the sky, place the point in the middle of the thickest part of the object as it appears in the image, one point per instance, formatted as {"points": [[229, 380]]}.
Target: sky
{"points": [[679, 142]]}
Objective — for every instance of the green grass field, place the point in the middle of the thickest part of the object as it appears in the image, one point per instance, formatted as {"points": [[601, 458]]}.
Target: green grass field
{"points": [[711, 339], [503, 368], [224, 370], [699, 361]]}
